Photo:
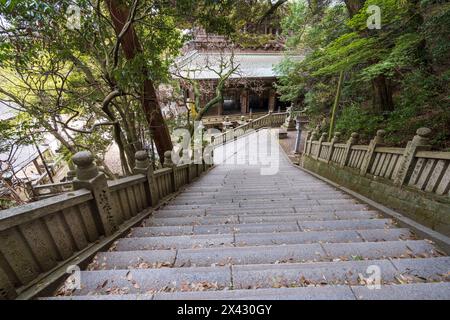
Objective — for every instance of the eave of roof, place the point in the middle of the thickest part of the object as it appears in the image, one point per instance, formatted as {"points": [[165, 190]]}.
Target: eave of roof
{"points": [[251, 65]]}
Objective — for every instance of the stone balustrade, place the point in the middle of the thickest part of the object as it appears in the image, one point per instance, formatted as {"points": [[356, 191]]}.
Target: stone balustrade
{"points": [[271, 120], [40, 238], [413, 180]]}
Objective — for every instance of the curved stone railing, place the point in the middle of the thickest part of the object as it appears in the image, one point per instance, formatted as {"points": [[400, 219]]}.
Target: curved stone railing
{"points": [[40, 238], [270, 120], [373, 169]]}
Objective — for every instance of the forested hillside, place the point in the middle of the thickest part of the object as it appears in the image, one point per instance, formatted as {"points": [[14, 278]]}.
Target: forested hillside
{"points": [[394, 78]]}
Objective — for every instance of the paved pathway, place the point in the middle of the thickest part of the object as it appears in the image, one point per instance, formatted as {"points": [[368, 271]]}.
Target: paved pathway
{"points": [[236, 234]]}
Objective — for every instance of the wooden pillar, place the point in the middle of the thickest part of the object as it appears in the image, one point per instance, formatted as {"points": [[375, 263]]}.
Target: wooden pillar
{"points": [[36, 165], [261, 101], [272, 100], [244, 101], [220, 108]]}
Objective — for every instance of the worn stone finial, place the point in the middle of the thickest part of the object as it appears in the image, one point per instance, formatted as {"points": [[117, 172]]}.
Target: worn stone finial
{"points": [[379, 139], [86, 168], [353, 138], [422, 137], [337, 137], [323, 136], [142, 160], [242, 118], [314, 135], [168, 163]]}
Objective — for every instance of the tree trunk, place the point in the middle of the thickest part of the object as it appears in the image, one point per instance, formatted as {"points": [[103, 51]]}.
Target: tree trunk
{"points": [[382, 95], [382, 92], [150, 104]]}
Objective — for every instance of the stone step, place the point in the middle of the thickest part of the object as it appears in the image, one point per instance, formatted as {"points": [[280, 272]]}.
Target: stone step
{"points": [[414, 291], [220, 211], [258, 239], [175, 242], [205, 257], [310, 204], [163, 213], [150, 281], [329, 273], [264, 195], [217, 220], [280, 202], [361, 224]]}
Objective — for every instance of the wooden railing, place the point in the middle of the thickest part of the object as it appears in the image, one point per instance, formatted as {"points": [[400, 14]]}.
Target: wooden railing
{"points": [[266, 121], [414, 166], [40, 237]]}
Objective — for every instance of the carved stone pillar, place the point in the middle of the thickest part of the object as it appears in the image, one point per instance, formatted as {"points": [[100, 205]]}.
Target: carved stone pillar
{"points": [[89, 177], [143, 166]]}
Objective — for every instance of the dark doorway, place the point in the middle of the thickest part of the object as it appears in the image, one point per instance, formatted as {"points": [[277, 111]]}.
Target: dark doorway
{"points": [[258, 103], [231, 105]]}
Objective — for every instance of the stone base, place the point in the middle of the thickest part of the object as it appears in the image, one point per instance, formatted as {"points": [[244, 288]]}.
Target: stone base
{"points": [[289, 126], [283, 134]]}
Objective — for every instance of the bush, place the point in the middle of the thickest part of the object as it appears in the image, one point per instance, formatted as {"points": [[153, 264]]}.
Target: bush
{"points": [[355, 118]]}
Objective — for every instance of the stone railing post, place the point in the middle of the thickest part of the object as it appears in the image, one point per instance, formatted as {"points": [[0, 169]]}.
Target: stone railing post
{"points": [[420, 142], [143, 166], [72, 173], [336, 139], [314, 135], [8, 292], [306, 146], [348, 148], [321, 140], [369, 157], [168, 163], [89, 177]]}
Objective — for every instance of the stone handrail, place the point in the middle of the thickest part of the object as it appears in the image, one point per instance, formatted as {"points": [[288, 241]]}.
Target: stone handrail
{"points": [[38, 238], [414, 166], [209, 120], [268, 120], [412, 180], [49, 190]]}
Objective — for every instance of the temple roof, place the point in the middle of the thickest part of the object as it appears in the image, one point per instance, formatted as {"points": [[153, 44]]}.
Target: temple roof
{"points": [[204, 65]]}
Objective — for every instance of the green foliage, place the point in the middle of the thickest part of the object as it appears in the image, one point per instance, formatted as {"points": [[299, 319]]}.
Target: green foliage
{"points": [[354, 118], [411, 51]]}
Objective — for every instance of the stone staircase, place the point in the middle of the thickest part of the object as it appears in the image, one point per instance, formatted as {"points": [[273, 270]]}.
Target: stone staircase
{"points": [[235, 234]]}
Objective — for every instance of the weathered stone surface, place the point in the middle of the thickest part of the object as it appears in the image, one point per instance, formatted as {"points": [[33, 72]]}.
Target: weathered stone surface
{"points": [[345, 225], [175, 242], [231, 236], [325, 273], [296, 238], [249, 255], [134, 259], [146, 281], [423, 209], [416, 291], [320, 293]]}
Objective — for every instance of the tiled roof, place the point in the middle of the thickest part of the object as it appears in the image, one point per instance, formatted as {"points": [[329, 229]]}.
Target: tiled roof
{"points": [[251, 65]]}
